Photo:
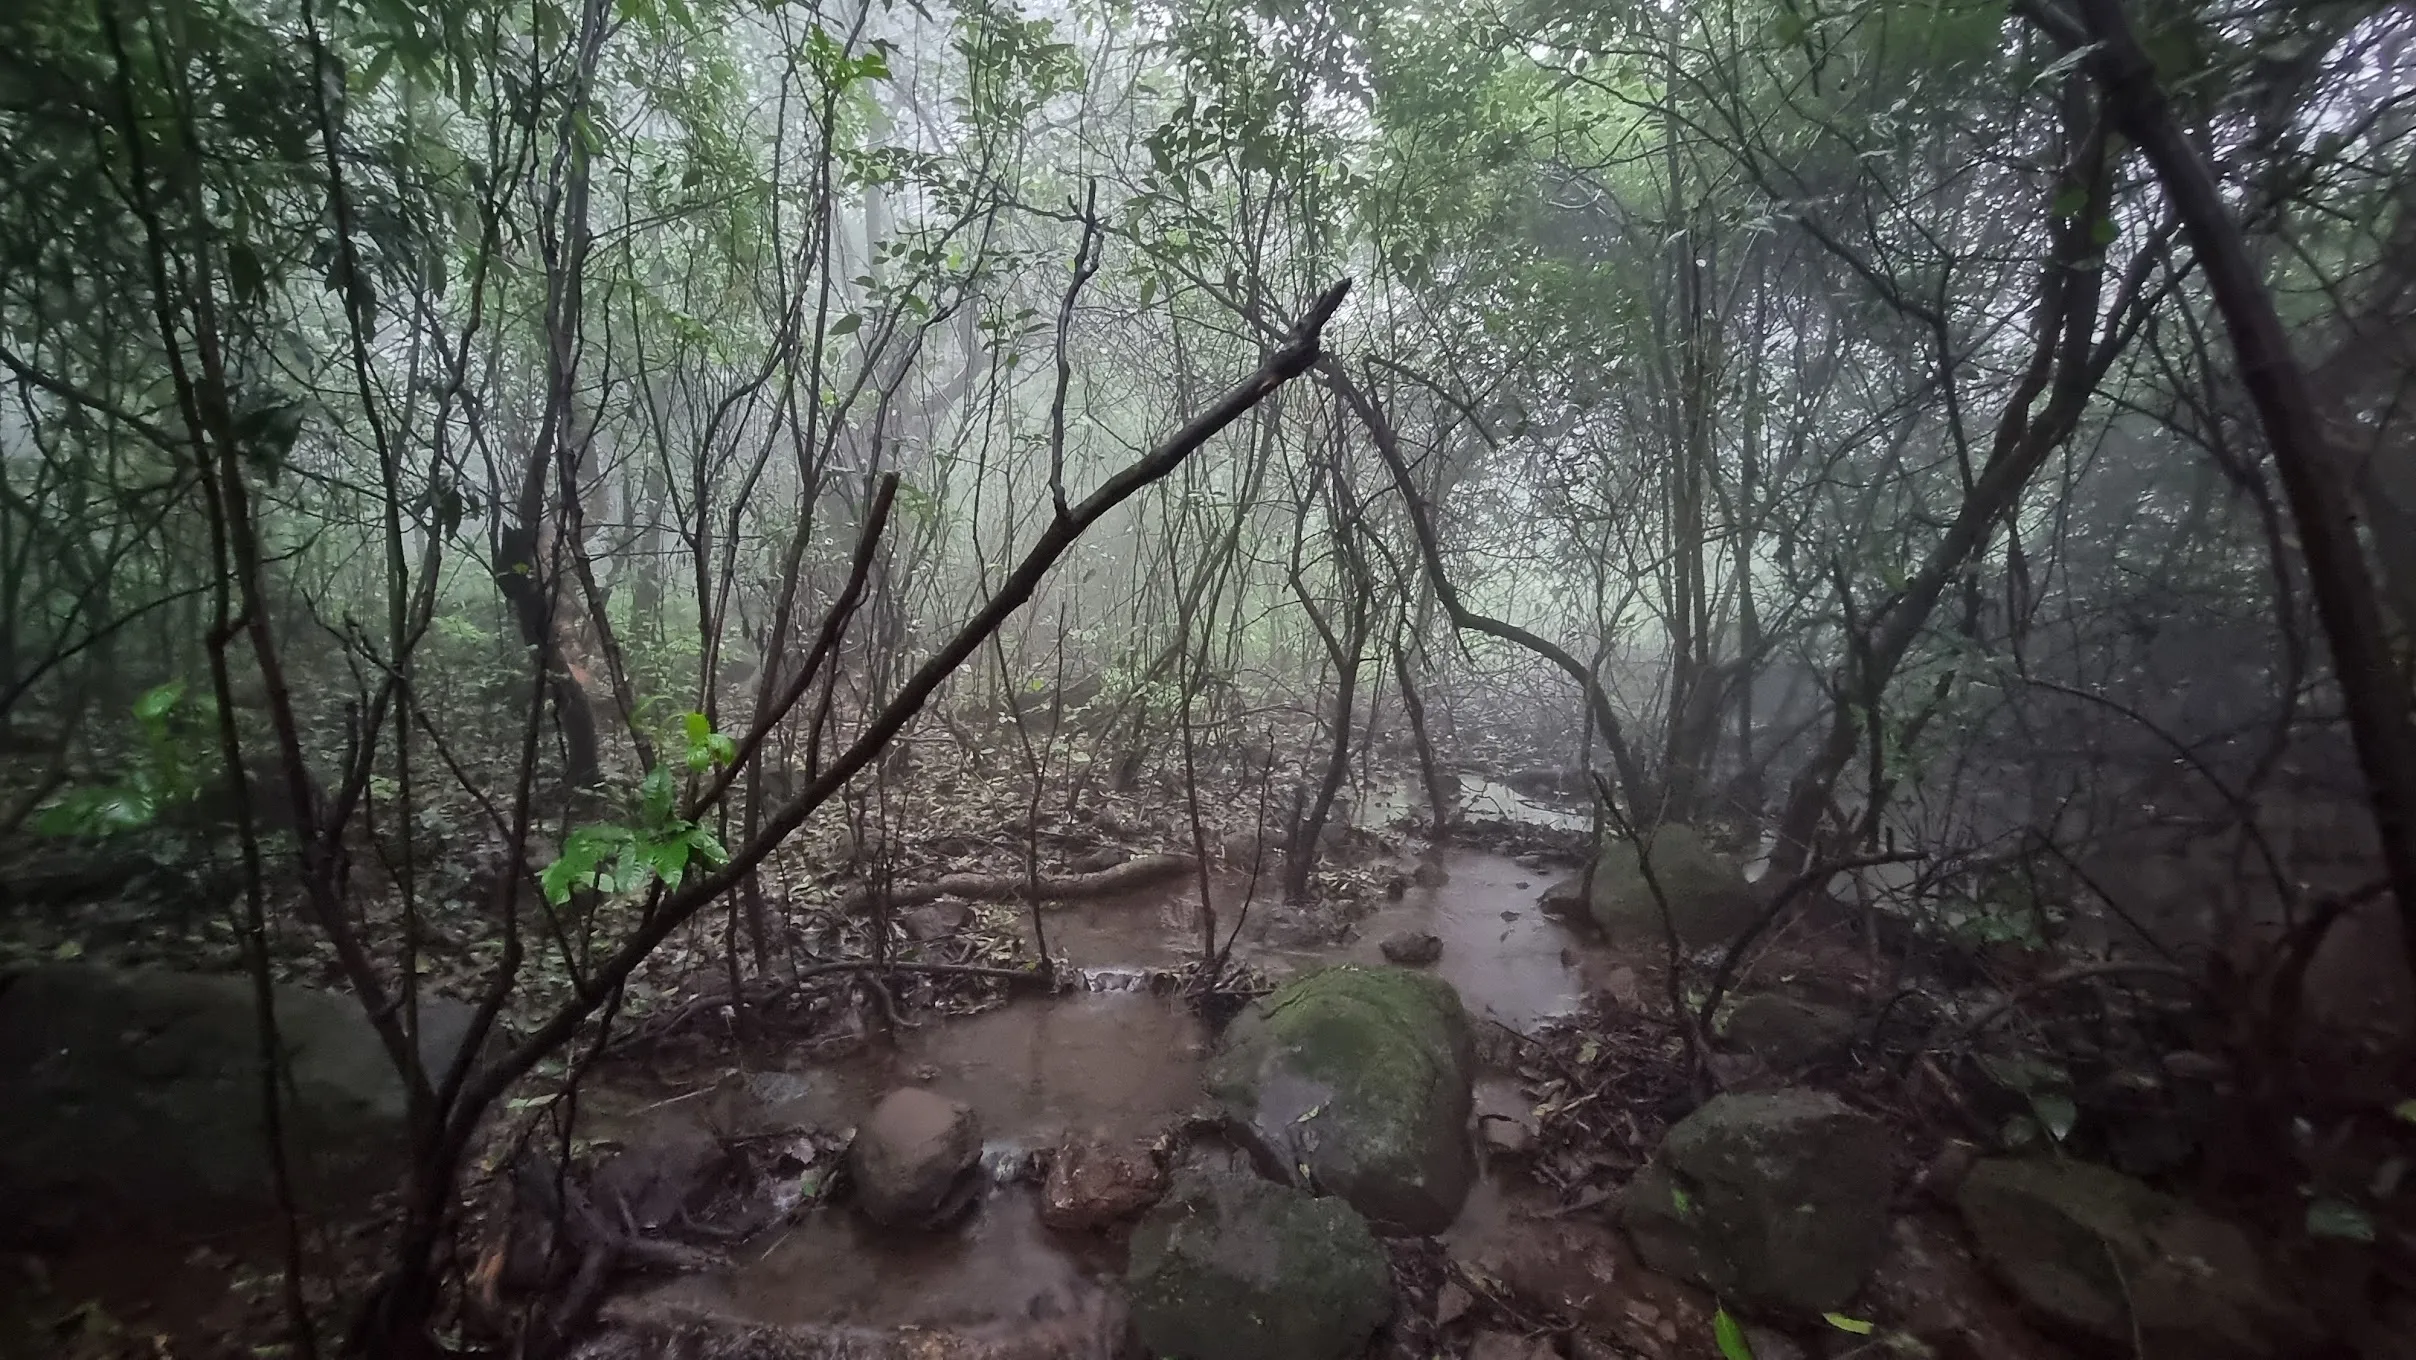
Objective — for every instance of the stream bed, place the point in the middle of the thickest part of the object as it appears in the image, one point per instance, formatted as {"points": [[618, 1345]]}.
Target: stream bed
{"points": [[1122, 1063]]}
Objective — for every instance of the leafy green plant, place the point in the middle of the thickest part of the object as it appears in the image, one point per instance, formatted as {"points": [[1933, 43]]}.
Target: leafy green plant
{"points": [[164, 773], [657, 845]]}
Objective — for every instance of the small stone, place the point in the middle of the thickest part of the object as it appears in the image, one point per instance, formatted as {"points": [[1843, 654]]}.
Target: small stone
{"points": [[1452, 1302], [1093, 1185], [1415, 948], [914, 1160], [1505, 1137]]}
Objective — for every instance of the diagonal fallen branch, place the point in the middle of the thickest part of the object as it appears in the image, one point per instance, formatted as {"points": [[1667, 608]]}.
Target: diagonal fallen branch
{"points": [[466, 1092]]}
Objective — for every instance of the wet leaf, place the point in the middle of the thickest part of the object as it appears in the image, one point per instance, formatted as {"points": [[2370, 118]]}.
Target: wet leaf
{"points": [[2340, 1221], [1730, 1337], [1841, 1322]]}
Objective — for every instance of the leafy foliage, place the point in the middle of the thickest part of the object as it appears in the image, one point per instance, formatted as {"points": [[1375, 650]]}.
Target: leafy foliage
{"points": [[174, 744], [657, 845]]}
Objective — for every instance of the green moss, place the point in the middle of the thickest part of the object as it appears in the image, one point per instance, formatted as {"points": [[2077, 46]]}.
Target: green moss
{"points": [[1355, 1081]]}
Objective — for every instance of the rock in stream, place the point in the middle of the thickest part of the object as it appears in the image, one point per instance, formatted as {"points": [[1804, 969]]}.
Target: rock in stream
{"points": [[915, 1161], [1233, 1267], [1356, 1082]]}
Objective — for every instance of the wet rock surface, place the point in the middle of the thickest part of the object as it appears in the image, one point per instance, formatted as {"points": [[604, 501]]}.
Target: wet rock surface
{"points": [[1093, 1184], [1357, 1082], [1582, 1270], [2094, 1254], [1929, 1288], [1777, 1199], [1234, 1267], [1705, 892], [915, 1161], [1788, 1032], [1412, 948], [133, 1097]]}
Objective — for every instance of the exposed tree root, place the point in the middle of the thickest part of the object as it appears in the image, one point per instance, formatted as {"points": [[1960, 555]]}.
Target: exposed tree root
{"points": [[1136, 873]]}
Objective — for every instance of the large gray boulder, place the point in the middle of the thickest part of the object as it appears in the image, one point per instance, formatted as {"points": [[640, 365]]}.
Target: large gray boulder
{"points": [[916, 1161], [1233, 1267], [1778, 1199], [1356, 1082], [2094, 1253], [133, 1097], [1709, 900]]}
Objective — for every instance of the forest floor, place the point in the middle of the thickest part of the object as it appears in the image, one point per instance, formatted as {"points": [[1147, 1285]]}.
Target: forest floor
{"points": [[738, 1113]]}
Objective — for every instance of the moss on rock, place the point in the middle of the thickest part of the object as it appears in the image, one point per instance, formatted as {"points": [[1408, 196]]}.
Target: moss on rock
{"points": [[1356, 1081], [1232, 1267]]}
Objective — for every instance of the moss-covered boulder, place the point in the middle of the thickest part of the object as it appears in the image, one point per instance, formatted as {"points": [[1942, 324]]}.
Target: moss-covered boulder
{"points": [[1232, 1267], [1778, 1199], [2095, 1254], [1709, 900], [1356, 1082]]}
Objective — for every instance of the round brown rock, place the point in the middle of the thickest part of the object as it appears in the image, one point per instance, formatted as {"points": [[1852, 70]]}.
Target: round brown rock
{"points": [[914, 1161]]}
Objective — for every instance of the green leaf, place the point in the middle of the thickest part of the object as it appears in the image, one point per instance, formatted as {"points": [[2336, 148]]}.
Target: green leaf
{"points": [[656, 795], [2405, 1110], [157, 703], [1729, 1336], [68, 949], [97, 812], [669, 860], [708, 846], [2070, 201], [847, 324], [2339, 1220], [1841, 1322], [1681, 1201], [2103, 231]]}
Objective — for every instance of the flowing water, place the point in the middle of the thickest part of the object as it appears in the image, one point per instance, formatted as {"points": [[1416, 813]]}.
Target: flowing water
{"points": [[1121, 1062]]}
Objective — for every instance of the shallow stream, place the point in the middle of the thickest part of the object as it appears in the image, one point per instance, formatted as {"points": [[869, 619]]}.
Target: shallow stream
{"points": [[1121, 1063]]}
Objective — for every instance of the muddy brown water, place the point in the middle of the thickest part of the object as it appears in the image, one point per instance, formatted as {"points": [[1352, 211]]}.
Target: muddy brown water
{"points": [[1121, 1063]]}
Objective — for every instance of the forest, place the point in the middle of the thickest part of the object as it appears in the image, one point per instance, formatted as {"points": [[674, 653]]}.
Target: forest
{"points": [[1201, 679]]}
